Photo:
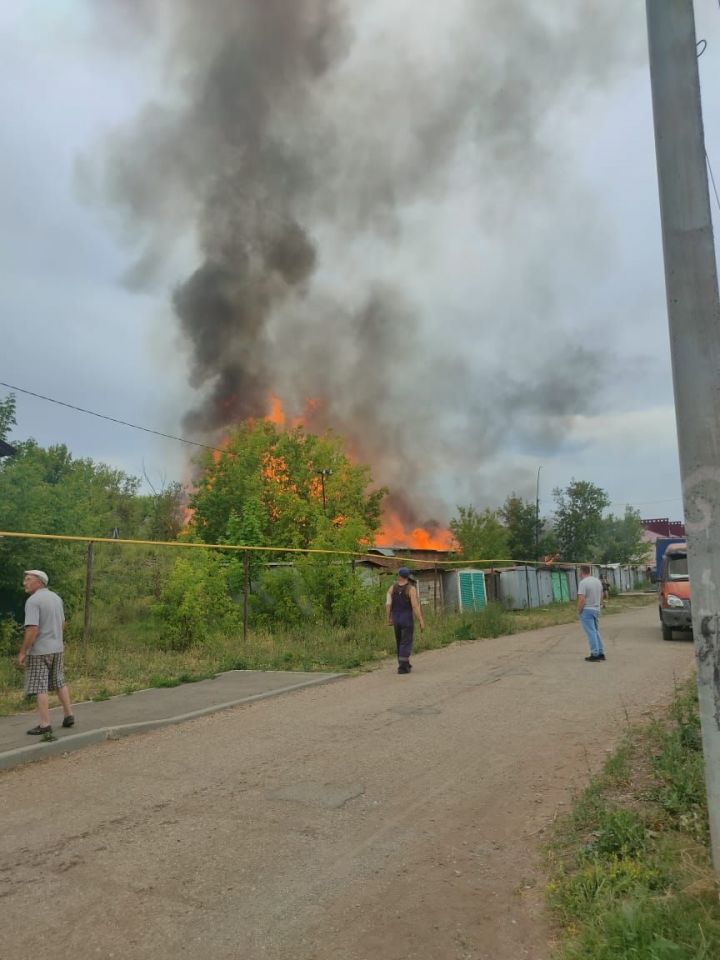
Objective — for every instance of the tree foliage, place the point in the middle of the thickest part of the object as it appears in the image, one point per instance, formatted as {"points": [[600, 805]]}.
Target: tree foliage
{"points": [[621, 539], [162, 513], [481, 536], [195, 600], [48, 491], [527, 538], [579, 519], [266, 489], [7, 415]]}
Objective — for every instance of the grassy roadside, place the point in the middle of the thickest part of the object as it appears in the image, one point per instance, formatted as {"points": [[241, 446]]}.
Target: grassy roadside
{"points": [[630, 865], [125, 655]]}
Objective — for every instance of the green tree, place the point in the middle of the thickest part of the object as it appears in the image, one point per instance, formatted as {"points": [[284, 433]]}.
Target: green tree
{"points": [[579, 520], [47, 491], [7, 415], [245, 529], [162, 513], [270, 480], [621, 539], [481, 536], [523, 527]]}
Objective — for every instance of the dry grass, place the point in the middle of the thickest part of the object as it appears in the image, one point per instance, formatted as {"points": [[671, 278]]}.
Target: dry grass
{"points": [[129, 656]]}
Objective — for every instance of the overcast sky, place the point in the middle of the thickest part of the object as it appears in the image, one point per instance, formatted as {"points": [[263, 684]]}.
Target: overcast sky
{"points": [[516, 277]]}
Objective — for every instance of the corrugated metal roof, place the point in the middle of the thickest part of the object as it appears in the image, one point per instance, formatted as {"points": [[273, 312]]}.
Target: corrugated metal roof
{"points": [[392, 564]]}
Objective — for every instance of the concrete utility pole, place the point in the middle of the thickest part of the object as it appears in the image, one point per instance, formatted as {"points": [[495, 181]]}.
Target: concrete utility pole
{"points": [[537, 515], [694, 316]]}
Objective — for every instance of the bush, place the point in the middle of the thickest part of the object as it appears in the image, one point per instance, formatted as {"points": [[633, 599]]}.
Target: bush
{"points": [[195, 601], [10, 637], [337, 593], [279, 599], [313, 591]]}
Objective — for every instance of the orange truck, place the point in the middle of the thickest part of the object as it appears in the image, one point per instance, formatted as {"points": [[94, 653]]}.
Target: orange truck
{"points": [[674, 590]]}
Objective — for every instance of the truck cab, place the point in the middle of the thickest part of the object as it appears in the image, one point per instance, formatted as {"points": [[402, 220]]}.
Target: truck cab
{"points": [[674, 591]]}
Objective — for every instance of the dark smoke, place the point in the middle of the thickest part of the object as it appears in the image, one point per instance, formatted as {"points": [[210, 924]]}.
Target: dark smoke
{"points": [[309, 149], [223, 153]]}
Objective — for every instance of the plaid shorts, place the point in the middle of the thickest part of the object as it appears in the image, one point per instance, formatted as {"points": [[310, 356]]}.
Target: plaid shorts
{"points": [[43, 672]]}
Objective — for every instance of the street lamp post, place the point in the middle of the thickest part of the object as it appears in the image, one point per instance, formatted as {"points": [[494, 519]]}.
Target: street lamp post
{"points": [[537, 515], [324, 473]]}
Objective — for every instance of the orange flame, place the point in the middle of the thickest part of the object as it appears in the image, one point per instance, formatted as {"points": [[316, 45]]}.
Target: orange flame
{"points": [[278, 416], [277, 412], [188, 514], [395, 534]]}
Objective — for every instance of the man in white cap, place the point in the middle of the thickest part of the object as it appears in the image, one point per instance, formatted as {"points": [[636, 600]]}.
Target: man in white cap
{"points": [[41, 653]]}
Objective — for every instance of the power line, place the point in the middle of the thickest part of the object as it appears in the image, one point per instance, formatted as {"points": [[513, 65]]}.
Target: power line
{"points": [[632, 503], [205, 446], [702, 46], [712, 180], [102, 416]]}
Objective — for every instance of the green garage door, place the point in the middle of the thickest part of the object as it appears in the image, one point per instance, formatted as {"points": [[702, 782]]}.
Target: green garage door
{"points": [[560, 587], [472, 590]]}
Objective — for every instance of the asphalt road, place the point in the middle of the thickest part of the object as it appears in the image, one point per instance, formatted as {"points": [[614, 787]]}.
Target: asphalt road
{"points": [[375, 818]]}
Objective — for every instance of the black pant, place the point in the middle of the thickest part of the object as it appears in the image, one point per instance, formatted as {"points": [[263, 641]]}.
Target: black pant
{"points": [[404, 641]]}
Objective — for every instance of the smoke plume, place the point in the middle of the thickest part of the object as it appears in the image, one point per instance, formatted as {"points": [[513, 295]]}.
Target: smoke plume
{"points": [[385, 217]]}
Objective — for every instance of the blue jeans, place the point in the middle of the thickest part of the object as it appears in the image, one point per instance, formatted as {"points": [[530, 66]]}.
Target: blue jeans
{"points": [[589, 621]]}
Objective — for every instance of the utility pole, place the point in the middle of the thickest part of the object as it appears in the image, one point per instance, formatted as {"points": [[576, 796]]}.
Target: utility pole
{"points": [[537, 515], [694, 318], [324, 473]]}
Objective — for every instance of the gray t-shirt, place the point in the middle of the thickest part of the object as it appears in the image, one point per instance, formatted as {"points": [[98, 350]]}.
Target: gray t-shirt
{"points": [[44, 609], [591, 589]]}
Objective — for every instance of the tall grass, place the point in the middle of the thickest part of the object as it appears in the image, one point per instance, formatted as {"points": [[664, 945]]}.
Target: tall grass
{"points": [[632, 878], [127, 652]]}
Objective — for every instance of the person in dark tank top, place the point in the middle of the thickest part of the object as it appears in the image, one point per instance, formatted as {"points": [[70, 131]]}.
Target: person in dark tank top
{"points": [[403, 608]]}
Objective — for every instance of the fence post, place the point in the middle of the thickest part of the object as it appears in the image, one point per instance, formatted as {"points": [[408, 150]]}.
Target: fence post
{"points": [[246, 593], [88, 595]]}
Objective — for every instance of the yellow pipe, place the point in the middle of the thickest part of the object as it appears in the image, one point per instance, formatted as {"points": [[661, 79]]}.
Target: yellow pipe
{"points": [[235, 547]]}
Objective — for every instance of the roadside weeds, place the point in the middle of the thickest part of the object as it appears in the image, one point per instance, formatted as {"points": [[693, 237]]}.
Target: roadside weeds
{"points": [[631, 876]]}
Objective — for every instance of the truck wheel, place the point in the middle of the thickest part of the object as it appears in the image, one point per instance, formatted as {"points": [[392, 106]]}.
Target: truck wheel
{"points": [[666, 631]]}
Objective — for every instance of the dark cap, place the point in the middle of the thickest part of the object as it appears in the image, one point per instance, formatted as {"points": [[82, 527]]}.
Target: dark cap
{"points": [[404, 572]]}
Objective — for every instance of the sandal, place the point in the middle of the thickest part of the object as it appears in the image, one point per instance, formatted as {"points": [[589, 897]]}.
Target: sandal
{"points": [[38, 731]]}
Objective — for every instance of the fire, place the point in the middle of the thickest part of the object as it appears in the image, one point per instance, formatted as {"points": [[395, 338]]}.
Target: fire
{"points": [[275, 470], [395, 534], [315, 488], [278, 416], [188, 514], [277, 412], [276, 476]]}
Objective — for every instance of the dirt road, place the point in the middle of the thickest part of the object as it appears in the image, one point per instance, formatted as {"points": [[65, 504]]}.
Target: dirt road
{"points": [[377, 818]]}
